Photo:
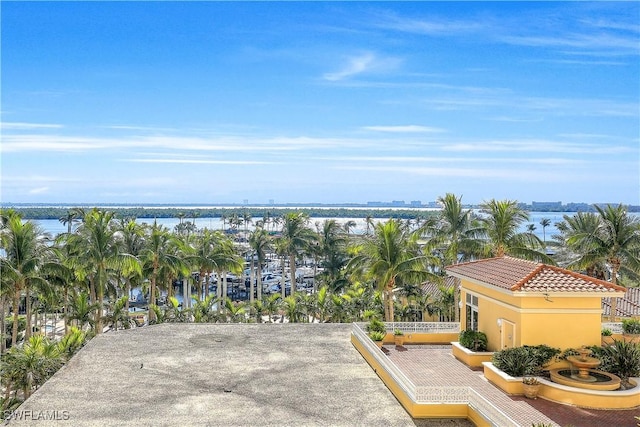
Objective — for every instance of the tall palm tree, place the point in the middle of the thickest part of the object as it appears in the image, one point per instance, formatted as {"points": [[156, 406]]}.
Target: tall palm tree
{"points": [[390, 257], [72, 216], [544, 222], [131, 236], [454, 234], [260, 243], [333, 254], [501, 225], [615, 242], [157, 253], [26, 249], [296, 238], [101, 256]]}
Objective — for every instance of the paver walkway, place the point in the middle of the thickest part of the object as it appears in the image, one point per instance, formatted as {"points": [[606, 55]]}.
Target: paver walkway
{"points": [[427, 365]]}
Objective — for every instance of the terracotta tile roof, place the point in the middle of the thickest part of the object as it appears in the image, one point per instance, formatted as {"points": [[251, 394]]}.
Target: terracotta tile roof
{"points": [[627, 306], [433, 289], [520, 275]]}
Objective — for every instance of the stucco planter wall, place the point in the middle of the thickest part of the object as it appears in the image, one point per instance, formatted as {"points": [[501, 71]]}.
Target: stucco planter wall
{"points": [[468, 357], [507, 383]]}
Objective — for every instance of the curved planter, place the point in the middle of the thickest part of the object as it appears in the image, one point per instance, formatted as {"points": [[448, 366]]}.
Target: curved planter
{"points": [[581, 397]]}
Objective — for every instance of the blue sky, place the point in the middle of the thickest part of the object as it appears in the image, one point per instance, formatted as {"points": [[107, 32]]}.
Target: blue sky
{"points": [[330, 102]]}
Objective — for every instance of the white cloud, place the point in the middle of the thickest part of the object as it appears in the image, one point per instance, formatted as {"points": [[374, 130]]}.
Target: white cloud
{"points": [[22, 125], [364, 63], [355, 65], [39, 190], [404, 129], [199, 161]]}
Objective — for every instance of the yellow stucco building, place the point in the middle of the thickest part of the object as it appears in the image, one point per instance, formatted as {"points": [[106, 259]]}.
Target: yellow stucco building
{"points": [[517, 302]]}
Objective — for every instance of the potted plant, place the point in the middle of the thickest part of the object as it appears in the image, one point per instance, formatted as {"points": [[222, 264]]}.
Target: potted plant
{"points": [[531, 387], [607, 339], [398, 337], [377, 337], [631, 330]]}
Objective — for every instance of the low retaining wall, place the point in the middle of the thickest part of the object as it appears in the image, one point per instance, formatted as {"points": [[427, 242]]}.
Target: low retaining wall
{"points": [[584, 398], [468, 357]]}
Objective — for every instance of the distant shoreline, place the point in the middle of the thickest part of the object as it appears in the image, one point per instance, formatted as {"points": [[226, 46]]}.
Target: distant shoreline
{"points": [[56, 211]]}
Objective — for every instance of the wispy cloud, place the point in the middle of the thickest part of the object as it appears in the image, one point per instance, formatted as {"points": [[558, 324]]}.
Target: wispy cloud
{"points": [[364, 63], [434, 26], [39, 190], [26, 126], [199, 161], [404, 129]]}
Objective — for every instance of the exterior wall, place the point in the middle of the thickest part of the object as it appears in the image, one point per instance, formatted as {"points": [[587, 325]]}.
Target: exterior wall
{"points": [[557, 320]]}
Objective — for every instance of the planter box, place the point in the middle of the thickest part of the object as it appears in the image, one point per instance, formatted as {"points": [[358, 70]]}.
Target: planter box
{"points": [[470, 358], [633, 338], [507, 383]]}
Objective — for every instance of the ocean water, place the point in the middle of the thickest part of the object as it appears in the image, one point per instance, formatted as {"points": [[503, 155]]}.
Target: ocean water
{"points": [[55, 227]]}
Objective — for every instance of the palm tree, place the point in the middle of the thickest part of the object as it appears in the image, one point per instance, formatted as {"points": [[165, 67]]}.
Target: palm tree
{"points": [[118, 314], [101, 256], [333, 253], [81, 310], [203, 311], [544, 222], [454, 234], [235, 311], [614, 242], [260, 242], [271, 305], [131, 237], [348, 225], [296, 238], [531, 228], [31, 365], [500, 226], [26, 250], [390, 257], [72, 216], [158, 253], [454, 231]]}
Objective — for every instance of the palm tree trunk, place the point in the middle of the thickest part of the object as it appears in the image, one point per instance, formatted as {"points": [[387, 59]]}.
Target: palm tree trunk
{"points": [[615, 266], [388, 312], [27, 305], [292, 268], [16, 309], [259, 280], [126, 304], [65, 310], [3, 309], [251, 279]]}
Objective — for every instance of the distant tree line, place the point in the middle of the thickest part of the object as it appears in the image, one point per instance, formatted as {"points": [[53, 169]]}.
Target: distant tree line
{"points": [[215, 212]]}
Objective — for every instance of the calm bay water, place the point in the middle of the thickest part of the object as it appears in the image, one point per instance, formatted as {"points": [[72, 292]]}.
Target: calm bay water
{"points": [[55, 227]]}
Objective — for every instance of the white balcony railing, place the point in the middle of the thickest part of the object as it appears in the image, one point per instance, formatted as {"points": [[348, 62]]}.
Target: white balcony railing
{"points": [[431, 394]]}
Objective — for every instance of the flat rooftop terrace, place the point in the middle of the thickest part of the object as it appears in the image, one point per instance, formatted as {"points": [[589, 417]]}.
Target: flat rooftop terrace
{"points": [[215, 375]]}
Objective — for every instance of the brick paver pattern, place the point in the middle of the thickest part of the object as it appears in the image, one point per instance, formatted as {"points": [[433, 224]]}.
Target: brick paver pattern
{"points": [[435, 366]]}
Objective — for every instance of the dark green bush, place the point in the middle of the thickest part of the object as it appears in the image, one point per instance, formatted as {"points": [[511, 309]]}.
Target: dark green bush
{"points": [[525, 360], [631, 326], [376, 325], [620, 358], [473, 340]]}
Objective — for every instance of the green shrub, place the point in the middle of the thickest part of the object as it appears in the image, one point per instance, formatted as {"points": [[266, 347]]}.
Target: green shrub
{"points": [[376, 325], [606, 332], [398, 332], [631, 326], [525, 360], [621, 358], [473, 340], [377, 335]]}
